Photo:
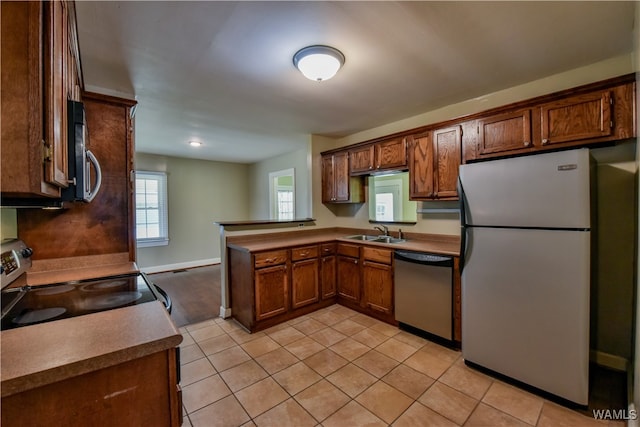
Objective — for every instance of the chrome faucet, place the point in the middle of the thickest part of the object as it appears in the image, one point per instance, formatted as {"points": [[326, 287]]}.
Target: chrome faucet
{"points": [[383, 229]]}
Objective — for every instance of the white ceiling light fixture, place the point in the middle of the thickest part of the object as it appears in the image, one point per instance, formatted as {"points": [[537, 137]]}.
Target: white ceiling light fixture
{"points": [[318, 62], [195, 143]]}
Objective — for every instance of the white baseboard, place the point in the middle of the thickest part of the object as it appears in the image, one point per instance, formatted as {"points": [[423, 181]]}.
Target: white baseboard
{"points": [[225, 313], [180, 265], [607, 360]]}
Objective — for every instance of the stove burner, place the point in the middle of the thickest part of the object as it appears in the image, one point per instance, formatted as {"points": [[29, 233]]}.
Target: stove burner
{"points": [[35, 316], [54, 290], [112, 300], [103, 286]]}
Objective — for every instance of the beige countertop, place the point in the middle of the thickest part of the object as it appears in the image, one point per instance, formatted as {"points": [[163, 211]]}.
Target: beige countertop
{"points": [[432, 243], [46, 353]]}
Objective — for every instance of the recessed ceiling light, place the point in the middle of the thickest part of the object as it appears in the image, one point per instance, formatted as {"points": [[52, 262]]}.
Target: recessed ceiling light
{"points": [[195, 143]]}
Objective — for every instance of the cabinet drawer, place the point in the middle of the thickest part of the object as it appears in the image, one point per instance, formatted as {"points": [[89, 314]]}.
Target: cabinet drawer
{"points": [[349, 250], [304, 253], [265, 259], [383, 256], [328, 249]]}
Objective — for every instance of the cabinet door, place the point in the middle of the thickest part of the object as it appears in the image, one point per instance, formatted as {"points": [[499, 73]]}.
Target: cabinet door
{"points": [[420, 168], [272, 290], [377, 282], [328, 179], [328, 274], [362, 159], [447, 155], [576, 118], [304, 286], [341, 177], [349, 278], [55, 50], [504, 132], [391, 154]]}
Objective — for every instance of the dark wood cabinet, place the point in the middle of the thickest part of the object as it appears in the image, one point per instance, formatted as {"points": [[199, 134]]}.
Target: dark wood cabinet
{"points": [[434, 160], [272, 291], [328, 273], [37, 69], [271, 283], [504, 132], [384, 155], [421, 167], [362, 159], [337, 185], [447, 148], [305, 274], [377, 279], [348, 266], [270, 287], [601, 112], [577, 118], [107, 224]]}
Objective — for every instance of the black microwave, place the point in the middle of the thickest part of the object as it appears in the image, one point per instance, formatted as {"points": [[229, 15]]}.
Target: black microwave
{"points": [[81, 161]]}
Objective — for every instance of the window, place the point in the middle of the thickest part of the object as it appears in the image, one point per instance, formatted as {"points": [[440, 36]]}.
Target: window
{"points": [[151, 209], [282, 199]]}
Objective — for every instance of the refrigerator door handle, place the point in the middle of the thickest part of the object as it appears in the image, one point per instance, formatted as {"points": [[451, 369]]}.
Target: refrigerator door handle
{"points": [[463, 225]]}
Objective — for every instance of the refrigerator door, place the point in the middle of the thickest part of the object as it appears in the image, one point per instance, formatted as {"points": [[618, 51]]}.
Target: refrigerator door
{"points": [[525, 307], [549, 190]]}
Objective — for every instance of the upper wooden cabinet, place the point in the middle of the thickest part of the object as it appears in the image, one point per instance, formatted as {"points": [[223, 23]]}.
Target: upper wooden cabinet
{"points": [[107, 224], [447, 157], [598, 113], [434, 160], [384, 155], [337, 185], [40, 64], [577, 118], [362, 159], [504, 132]]}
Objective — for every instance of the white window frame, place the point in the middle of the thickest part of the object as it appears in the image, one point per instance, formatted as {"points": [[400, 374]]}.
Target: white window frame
{"points": [[163, 207], [274, 211]]}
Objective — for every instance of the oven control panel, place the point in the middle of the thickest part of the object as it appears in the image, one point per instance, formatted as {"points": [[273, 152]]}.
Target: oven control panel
{"points": [[15, 260]]}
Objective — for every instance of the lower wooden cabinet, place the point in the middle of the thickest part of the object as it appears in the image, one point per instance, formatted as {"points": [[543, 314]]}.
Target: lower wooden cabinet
{"points": [[328, 270], [365, 280], [272, 290], [270, 287], [139, 392], [377, 280], [305, 274], [348, 266]]}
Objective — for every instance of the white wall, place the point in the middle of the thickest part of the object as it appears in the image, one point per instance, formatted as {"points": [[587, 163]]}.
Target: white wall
{"points": [[200, 192], [300, 160]]}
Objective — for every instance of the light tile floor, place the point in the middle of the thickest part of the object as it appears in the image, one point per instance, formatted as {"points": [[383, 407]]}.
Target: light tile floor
{"points": [[336, 367]]}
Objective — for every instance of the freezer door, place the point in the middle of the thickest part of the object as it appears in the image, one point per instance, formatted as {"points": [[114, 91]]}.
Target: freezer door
{"points": [[550, 190], [525, 307]]}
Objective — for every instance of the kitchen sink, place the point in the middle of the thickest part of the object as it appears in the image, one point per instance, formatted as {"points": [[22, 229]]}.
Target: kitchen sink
{"points": [[362, 237], [377, 239], [387, 239]]}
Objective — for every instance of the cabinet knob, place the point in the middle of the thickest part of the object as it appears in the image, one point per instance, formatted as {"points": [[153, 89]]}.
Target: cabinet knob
{"points": [[527, 143], [545, 141], [355, 261]]}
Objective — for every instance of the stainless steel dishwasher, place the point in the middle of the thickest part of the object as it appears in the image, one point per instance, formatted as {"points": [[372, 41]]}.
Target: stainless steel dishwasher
{"points": [[424, 292]]}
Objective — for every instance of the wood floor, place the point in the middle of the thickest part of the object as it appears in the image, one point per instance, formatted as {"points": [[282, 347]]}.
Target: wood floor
{"points": [[195, 293]]}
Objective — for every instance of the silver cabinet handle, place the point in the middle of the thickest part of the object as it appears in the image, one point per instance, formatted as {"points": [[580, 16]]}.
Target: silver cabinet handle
{"points": [[527, 143], [545, 141]]}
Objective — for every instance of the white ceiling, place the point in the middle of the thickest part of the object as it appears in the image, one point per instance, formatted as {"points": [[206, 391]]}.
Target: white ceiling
{"points": [[221, 72]]}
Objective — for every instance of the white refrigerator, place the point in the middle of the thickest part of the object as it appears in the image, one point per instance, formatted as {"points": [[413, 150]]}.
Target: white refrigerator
{"points": [[526, 269]]}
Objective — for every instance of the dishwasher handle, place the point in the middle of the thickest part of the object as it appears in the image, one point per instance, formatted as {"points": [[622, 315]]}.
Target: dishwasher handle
{"points": [[424, 258]]}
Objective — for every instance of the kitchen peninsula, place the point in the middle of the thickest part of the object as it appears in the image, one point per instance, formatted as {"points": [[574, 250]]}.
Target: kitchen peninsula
{"points": [[274, 277]]}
